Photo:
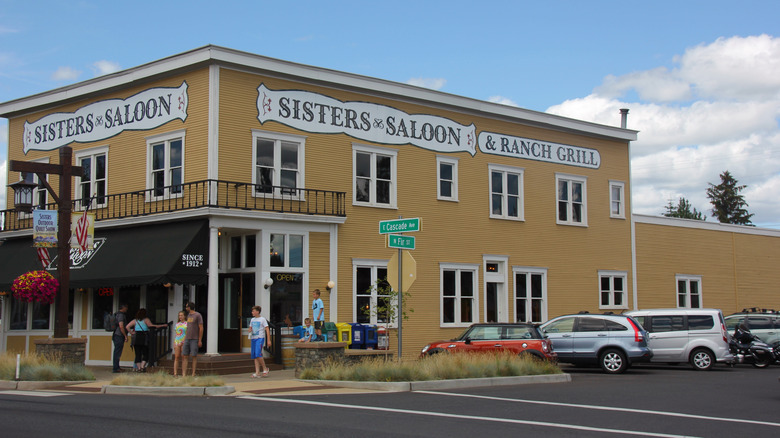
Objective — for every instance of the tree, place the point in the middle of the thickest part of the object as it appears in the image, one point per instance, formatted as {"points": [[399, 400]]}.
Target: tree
{"points": [[683, 210], [728, 206], [386, 308]]}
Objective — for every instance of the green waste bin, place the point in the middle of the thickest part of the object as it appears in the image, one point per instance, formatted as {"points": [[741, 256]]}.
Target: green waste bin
{"points": [[330, 331]]}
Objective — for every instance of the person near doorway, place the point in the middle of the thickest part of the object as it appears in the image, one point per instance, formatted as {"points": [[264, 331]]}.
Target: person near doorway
{"points": [[258, 333], [318, 312], [142, 338], [120, 335], [193, 338], [178, 341]]}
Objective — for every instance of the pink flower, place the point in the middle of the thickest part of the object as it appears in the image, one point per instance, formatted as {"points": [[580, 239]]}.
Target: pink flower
{"points": [[36, 286]]}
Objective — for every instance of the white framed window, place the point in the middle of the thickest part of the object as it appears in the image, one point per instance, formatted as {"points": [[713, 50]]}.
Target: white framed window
{"points": [[92, 184], [374, 176], [530, 294], [506, 192], [165, 164], [371, 289], [617, 201], [284, 251], [689, 291], [571, 193], [612, 290], [278, 163], [447, 177], [459, 299]]}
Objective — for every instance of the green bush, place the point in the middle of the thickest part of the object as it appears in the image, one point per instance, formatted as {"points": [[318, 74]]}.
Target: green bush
{"points": [[37, 367], [162, 378], [438, 367]]}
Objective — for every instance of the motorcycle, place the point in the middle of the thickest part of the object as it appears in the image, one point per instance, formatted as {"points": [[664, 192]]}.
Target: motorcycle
{"points": [[748, 348]]}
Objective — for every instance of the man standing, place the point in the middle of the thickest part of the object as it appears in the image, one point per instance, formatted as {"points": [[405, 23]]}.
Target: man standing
{"points": [[193, 339], [318, 312], [120, 335]]}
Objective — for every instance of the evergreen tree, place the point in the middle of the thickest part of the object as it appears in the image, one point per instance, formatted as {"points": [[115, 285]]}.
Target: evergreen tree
{"points": [[728, 206], [683, 210]]}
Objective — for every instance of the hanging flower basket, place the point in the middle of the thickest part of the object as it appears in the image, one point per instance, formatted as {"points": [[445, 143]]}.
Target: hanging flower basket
{"points": [[36, 286]]}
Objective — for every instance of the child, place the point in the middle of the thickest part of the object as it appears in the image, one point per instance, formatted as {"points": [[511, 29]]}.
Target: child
{"points": [[308, 331], [258, 333], [179, 331]]}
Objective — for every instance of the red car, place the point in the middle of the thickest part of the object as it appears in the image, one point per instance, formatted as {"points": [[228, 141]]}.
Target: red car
{"points": [[519, 338]]}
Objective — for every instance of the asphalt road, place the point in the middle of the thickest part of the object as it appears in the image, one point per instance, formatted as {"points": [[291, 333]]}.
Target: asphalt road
{"points": [[646, 401]]}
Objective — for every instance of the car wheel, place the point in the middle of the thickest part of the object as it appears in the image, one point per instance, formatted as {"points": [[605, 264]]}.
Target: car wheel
{"points": [[702, 359], [613, 361]]}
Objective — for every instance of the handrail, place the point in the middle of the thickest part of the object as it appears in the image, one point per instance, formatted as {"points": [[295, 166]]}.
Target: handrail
{"points": [[274, 345], [160, 343], [197, 194]]}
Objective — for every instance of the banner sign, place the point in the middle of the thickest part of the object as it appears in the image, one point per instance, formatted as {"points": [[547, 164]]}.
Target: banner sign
{"points": [[530, 149], [100, 120], [317, 113], [82, 230], [44, 228]]}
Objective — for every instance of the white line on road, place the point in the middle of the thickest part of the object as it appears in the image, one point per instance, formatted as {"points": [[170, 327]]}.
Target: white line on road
{"points": [[34, 393], [607, 408], [464, 417]]}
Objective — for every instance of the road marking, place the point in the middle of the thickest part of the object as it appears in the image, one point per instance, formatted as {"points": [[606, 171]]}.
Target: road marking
{"points": [[465, 417], [606, 408], [34, 393]]}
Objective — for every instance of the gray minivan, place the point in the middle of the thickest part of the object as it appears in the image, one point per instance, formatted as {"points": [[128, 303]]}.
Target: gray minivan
{"points": [[696, 336]]}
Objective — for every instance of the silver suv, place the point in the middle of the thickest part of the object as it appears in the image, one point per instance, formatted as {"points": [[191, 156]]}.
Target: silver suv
{"points": [[764, 323], [696, 336], [613, 342]]}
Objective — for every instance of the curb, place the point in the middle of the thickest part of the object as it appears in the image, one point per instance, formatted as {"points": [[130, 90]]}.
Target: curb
{"points": [[445, 384], [168, 390]]}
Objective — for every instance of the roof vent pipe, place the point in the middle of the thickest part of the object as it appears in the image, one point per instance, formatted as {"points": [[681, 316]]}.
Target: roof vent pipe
{"points": [[623, 117]]}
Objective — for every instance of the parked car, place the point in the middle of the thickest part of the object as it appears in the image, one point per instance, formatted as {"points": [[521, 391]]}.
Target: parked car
{"points": [[518, 338], [613, 342], [763, 323], [696, 336]]}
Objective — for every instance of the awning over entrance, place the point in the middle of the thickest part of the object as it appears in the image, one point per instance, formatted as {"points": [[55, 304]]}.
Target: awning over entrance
{"points": [[150, 254]]}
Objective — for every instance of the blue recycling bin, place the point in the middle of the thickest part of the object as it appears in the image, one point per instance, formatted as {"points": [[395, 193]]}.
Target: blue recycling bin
{"points": [[370, 338], [358, 336]]}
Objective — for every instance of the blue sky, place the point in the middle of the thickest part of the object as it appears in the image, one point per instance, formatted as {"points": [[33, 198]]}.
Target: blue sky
{"points": [[702, 78]]}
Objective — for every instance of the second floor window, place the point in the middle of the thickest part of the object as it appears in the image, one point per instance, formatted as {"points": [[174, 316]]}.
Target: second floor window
{"points": [[617, 205], [278, 163], [374, 176], [572, 200], [91, 185], [166, 164], [506, 192]]}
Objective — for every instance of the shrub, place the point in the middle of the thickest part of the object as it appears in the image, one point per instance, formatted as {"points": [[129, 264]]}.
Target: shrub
{"points": [[38, 367], [164, 379]]}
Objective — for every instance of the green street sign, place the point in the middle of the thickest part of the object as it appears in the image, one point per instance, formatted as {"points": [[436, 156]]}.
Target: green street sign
{"points": [[401, 242], [400, 225]]}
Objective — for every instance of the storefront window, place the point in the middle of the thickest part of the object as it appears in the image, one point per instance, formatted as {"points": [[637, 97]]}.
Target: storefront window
{"points": [[18, 315], [102, 304], [277, 250], [131, 296], [296, 251], [251, 251], [41, 314], [157, 303], [286, 297]]}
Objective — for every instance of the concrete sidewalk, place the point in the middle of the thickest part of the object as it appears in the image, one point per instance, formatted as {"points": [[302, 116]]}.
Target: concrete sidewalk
{"points": [[281, 382]]}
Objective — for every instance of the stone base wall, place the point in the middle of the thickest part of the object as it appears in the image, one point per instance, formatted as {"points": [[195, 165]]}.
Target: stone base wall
{"points": [[69, 350], [316, 354]]}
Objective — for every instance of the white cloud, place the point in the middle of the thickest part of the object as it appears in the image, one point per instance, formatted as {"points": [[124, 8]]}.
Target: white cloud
{"points": [[718, 111], [432, 83], [103, 67], [502, 100], [66, 74]]}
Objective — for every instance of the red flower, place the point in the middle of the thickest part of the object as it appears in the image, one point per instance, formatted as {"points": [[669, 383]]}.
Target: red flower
{"points": [[36, 286]]}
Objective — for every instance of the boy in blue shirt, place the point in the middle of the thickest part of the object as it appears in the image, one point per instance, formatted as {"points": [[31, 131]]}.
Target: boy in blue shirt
{"points": [[308, 331]]}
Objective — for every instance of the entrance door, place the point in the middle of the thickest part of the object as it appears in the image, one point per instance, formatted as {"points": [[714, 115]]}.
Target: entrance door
{"points": [[230, 293]]}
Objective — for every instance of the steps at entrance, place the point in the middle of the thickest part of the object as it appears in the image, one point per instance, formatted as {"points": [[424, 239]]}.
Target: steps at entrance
{"points": [[232, 363]]}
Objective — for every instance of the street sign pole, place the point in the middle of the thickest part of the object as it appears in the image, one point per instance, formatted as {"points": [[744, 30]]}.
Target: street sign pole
{"points": [[400, 314]]}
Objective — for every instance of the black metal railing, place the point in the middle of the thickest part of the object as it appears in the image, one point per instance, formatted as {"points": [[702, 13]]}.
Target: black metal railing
{"points": [[274, 345], [160, 343], [197, 194]]}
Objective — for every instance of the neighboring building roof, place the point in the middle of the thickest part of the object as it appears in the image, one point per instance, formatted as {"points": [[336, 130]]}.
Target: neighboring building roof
{"points": [[703, 225], [210, 54]]}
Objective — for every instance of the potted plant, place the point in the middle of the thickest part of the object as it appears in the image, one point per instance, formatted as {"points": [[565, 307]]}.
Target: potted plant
{"points": [[35, 286]]}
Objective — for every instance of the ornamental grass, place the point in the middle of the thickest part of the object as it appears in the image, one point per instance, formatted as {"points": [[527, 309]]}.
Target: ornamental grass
{"points": [[438, 367], [39, 367], [162, 378]]}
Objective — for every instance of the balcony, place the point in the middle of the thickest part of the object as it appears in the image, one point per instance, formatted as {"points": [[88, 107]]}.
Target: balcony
{"points": [[198, 194]]}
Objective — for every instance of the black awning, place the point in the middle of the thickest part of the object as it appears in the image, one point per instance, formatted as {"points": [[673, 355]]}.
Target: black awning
{"points": [[151, 254]]}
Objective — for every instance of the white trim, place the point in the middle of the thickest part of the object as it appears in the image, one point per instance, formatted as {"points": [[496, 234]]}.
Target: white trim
{"points": [[340, 80], [213, 129], [453, 161], [504, 170], [613, 274], [688, 278], [703, 225]]}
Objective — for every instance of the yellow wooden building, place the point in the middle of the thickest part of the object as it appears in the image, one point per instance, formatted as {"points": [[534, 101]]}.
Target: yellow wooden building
{"points": [[231, 179]]}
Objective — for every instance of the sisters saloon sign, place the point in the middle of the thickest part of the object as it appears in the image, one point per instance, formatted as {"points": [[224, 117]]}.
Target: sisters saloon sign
{"points": [[104, 119], [313, 112]]}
